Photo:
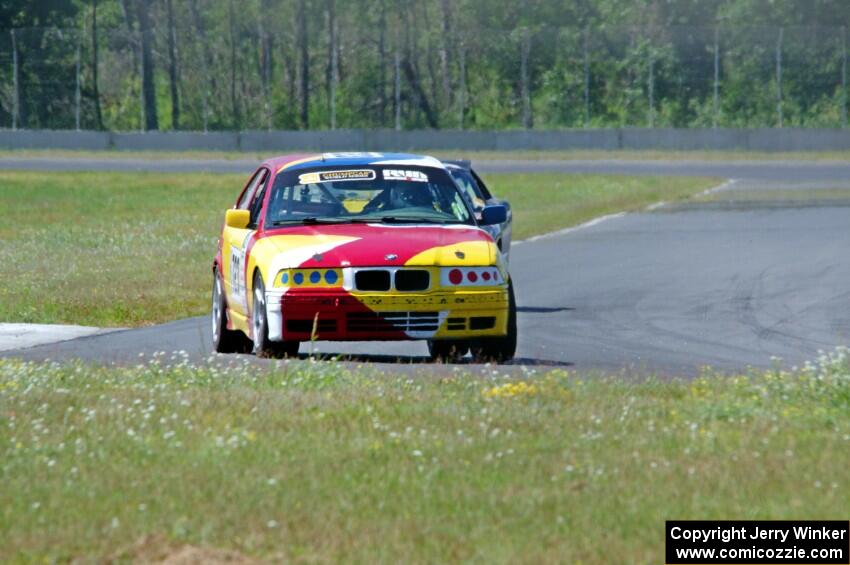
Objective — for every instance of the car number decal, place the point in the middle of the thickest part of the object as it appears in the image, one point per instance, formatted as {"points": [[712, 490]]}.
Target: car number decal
{"points": [[238, 284], [414, 176]]}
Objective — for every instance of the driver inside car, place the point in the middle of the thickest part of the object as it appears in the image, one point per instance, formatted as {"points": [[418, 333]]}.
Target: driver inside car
{"points": [[400, 196]]}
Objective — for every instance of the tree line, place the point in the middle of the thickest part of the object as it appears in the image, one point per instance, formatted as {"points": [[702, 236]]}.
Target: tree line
{"points": [[462, 64]]}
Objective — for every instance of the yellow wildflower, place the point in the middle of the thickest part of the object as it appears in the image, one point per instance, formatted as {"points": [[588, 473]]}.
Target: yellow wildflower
{"points": [[510, 390]]}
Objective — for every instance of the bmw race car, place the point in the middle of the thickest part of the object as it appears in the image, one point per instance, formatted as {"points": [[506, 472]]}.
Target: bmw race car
{"points": [[480, 196], [360, 246]]}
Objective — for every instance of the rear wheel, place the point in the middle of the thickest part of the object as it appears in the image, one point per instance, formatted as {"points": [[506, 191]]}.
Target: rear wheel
{"points": [[223, 339], [447, 350], [263, 347], [499, 349]]}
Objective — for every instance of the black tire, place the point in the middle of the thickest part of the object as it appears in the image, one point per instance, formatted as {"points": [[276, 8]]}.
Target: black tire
{"points": [[447, 350], [499, 349], [223, 339], [260, 327]]}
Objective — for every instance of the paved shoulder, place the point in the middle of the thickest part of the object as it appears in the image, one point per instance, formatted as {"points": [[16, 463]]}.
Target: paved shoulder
{"points": [[124, 346], [21, 336]]}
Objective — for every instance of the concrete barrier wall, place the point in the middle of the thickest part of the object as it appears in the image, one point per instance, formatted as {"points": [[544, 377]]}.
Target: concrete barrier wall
{"points": [[786, 139]]}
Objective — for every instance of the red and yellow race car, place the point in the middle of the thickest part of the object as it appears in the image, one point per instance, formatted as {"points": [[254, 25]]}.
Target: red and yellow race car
{"points": [[360, 246]]}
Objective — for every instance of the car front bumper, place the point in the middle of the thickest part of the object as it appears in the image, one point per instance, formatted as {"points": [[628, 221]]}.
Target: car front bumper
{"points": [[355, 316]]}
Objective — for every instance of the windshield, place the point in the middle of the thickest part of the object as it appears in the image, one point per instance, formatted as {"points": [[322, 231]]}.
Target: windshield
{"points": [[372, 193]]}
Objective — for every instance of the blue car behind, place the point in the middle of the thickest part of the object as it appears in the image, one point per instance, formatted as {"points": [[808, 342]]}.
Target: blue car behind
{"points": [[480, 196]]}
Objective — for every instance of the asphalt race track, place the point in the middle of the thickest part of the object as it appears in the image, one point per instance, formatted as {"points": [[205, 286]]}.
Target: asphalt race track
{"points": [[669, 290]]}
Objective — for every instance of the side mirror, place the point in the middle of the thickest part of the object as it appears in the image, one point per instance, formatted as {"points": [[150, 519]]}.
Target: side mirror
{"points": [[237, 219], [494, 214]]}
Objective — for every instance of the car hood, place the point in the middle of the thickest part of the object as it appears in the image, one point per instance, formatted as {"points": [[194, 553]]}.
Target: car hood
{"points": [[369, 245]]}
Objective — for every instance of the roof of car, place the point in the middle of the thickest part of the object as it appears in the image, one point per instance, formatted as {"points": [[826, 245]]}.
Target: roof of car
{"points": [[458, 163], [305, 160]]}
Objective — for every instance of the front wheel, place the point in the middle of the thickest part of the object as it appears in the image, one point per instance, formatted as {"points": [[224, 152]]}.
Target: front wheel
{"points": [[263, 347], [499, 349]]}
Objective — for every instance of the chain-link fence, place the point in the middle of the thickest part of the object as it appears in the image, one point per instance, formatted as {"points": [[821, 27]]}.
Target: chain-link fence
{"points": [[526, 78]]}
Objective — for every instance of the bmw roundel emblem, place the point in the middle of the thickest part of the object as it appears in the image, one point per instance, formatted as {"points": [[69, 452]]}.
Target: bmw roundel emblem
{"points": [[390, 256]]}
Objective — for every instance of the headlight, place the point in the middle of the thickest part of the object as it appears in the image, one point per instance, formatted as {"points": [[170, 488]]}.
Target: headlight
{"points": [[471, 276], [309, 278]]}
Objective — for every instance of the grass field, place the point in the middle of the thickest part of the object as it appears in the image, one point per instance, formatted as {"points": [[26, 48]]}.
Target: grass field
{"points": [[543, 202], [127, 249], [314, 462]]}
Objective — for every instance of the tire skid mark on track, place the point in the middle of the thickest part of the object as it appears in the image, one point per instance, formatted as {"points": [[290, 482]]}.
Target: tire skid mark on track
{"points": [[751, 309], [656, 328]]}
